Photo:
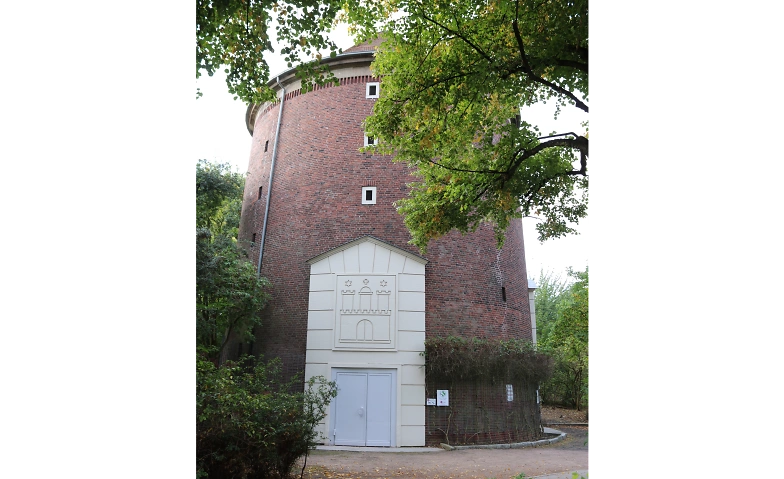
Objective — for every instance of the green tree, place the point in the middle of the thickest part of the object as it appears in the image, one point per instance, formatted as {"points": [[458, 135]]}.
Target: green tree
{"points": [[235, 34], [567, 342], [456, 75], [229, 295], [550, 291]]}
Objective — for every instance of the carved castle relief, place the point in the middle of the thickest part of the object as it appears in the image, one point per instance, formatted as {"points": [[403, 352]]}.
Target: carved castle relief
{"points": [[365, 316]]}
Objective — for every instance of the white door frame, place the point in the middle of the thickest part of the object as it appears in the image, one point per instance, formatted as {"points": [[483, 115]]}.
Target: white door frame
{"points": [[393, 400]]}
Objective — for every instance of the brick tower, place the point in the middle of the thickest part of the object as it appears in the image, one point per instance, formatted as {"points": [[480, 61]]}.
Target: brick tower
{"points": [[351, 299]]}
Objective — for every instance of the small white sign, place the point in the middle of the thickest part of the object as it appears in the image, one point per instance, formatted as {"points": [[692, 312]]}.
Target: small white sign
{"points": [[431, 401], [509, 393], [442, 397]]}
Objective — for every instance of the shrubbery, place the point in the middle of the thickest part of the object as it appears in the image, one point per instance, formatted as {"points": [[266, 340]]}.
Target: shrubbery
{"points": [[249, 424]]}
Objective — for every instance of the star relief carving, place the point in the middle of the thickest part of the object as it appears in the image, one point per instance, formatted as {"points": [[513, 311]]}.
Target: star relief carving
{"points": [[348, 282], [383, 283]]}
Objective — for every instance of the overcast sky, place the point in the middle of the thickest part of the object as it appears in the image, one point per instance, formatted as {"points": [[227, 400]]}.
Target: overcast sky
{"points": [[223, 138]]}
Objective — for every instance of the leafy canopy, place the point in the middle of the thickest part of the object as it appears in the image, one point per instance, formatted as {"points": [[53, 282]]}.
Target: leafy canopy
{"points": [[235, 34], [456, 75]]}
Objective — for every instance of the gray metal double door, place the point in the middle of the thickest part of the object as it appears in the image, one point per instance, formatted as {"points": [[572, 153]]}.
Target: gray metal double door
{"points": [[364, 408]]}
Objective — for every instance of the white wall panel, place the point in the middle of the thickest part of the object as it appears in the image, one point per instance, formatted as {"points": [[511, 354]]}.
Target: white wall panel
{"points": [[322, 282], [413, 415], [413, 374], [411, 320], [396, 262], [351, 259], [414, 267], [411, 341], [408, 301], [320, 267], [381, 260], [336, 263], [411, 395], [412, 436], [411, 282], [320, 339], [321, 300], [321, 320], [366, 254]]}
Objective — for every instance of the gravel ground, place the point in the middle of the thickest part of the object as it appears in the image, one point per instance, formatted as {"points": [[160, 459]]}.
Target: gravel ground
{"points": [[567, 455]]}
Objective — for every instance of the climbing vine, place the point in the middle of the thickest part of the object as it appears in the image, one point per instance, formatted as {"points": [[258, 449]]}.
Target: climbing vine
{"points": [[454, 358]]}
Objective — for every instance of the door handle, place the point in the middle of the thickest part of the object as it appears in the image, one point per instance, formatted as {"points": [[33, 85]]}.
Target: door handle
{"points": [[361, 411]]}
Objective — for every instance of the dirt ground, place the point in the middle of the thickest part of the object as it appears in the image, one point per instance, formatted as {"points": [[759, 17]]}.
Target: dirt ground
{"points": [[567, 455]]}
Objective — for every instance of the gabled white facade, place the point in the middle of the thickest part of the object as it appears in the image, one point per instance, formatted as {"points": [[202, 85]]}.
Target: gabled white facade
{"points": [[366, 318]]}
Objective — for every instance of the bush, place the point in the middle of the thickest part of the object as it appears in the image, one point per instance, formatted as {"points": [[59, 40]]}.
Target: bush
{"points": [[249, 424], [568, 385]]}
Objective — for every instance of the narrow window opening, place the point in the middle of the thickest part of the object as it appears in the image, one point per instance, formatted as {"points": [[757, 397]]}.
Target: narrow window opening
{"points": [[369, 140], [368, 195], [254, 238], [371, 90], [503, 293], [266, 144], [260, 188]]}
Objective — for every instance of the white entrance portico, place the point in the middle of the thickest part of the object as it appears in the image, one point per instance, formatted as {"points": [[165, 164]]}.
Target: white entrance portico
{"points": [[366, 330]]}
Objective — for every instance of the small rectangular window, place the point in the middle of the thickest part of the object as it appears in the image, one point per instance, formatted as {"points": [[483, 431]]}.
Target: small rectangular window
{"points": [[266, 144], [260, 188], [371, 90], [254, 238], [368, 195], [503, 293], [369, 140]]}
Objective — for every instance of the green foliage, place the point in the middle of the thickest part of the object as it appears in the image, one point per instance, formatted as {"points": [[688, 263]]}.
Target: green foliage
{"points": [[236, 34], [249, 424], [550, 292], [456, 74], [454, 358], [218, 198], [567, 342], [229, 295]]}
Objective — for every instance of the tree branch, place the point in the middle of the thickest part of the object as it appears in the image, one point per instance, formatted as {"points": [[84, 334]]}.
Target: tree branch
{"points": [[578, 143], [451, 168], [519, 37], [583, 67], [460, 36]]}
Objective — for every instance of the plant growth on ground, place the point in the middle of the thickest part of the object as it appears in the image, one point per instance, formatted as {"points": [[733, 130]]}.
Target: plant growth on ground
{"points": [[249, 424]]}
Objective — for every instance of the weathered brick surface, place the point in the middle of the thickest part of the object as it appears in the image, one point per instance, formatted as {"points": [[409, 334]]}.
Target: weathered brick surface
{"points": [[316, 206]]}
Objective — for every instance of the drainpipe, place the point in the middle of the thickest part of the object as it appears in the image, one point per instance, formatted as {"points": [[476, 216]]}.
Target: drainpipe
{"points": [[272, 172]]}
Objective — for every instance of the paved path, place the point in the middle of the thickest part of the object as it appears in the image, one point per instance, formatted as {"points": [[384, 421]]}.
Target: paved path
{"points": [[555, 461]]}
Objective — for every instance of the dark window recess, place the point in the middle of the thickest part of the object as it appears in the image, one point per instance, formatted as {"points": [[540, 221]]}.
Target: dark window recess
{"points": [[260, 188], [266, 144], [250, 348], [239, 349], [368, 195], [503, 293], [254, 238], [372, 90], [371, 141]]}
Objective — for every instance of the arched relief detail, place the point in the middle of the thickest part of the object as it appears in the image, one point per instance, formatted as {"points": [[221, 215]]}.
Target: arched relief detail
{"points": [[366, 317]]}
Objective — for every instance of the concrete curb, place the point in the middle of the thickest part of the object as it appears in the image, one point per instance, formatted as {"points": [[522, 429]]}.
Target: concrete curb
{"points": [[563, 475], [542, 442]]}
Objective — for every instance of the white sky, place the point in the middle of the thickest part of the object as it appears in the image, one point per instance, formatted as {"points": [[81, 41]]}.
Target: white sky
{"points": [[223, 138]]}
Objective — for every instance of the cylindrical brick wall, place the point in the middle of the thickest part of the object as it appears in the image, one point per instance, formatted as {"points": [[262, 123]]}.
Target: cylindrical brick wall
{"points": [[316, 206]]}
